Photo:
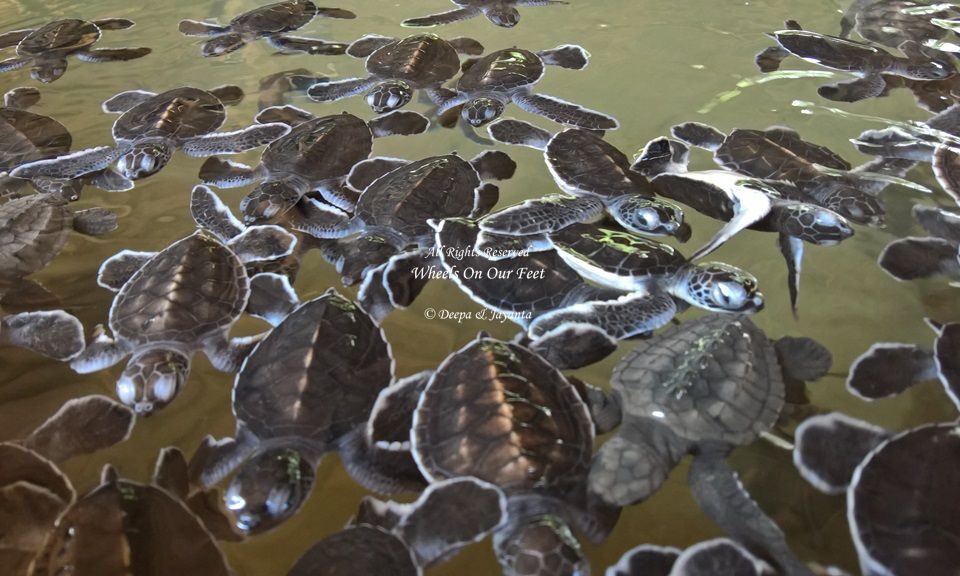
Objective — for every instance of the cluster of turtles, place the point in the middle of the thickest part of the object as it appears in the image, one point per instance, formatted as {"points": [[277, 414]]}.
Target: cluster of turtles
{"points": [[497, 440]]}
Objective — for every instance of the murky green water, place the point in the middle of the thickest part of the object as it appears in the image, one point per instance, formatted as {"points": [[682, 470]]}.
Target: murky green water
{"points": [[654, 63]]}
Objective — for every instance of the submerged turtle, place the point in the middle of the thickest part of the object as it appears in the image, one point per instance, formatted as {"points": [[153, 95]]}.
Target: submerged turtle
{"points": [[865, 60], [893, 22], [152, 126], [174, 303], [598, 178], [274, 87], [891, 480], [778, 153], [914, 257], [501, 12], [539, 455], [703, 387], [718, 557], [272, 23], [46, 48], [316, 155], [508, 75], [307, 389], [396, 68], [749, 203]]}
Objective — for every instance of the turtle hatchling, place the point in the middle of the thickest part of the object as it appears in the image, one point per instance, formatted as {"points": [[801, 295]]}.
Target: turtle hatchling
{"points": [[174, 303], [397, 67], [893, 22], [501, 12], [151, 126], [46, 48], [508, 75], [598, 179], [865, 60], [271, 22], [316, 155]]}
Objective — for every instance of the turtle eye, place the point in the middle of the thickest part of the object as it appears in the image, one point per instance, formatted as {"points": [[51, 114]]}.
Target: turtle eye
{"points": [[127, 390], [729, 295], [278, 501]]}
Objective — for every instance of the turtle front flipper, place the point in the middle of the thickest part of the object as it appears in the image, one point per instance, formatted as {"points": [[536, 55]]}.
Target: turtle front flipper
{"points": [[55, 334], [574, 345], [321, 220], [339, 89], [441, 18], [222, 44], [110, 180], [262, 243], [22, 98], [888, 369], [124, 101], [792, 249], [228, 355], [209, 212], [564, 112], [494, 165], [272, 297], [628, 316], [119, 268], [354, 258], [399, 123], [227, 173], [102, 353], [368, 44], [235, 142], [364, 173], [70, 165], [114, 23], [228, 94], [14, 63], [568, 56], [343, 196], [519, 133], [13, 37], [870, 86], [946, 168], [632, 465], [662, 156], [299, 44], [803, 358], [287, 114], [722, 497], [197, 28], [894, 142], [467, 46], [100, 55], [547, 214], [699, 135], [81, 426], [912, 258], [405, 276], [830, 447]]}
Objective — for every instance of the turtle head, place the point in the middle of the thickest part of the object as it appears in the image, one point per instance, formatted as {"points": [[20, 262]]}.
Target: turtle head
{"points": [[720, 287], [47, 71], [480, 111], [924, 63], [144, 160], [857, 206], [389, 96], [504, 15], [152, 379], [68, 190], [269, 489], [648, 215], [814, 224]]}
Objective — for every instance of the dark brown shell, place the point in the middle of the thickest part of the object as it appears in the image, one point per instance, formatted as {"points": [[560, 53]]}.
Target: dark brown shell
{"points": [[195, 287], [180, 113], [497, 411], [275, 18], [33, 230], [357, 550], [25, 137], [752, 152], [59, 36], [587, 162], [421, 60], [502, 71], [321, 149]]}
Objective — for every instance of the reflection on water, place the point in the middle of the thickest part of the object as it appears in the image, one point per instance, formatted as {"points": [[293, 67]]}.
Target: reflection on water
{"points": [[654, 64]]}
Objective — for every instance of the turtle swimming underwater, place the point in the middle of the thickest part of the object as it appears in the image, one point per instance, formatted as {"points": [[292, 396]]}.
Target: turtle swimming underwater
{"points": [[26, 136], [46, 48], [913, 257], [174, 303], [718, 557], [598, 178], [501, 12], [316, 155], [397, 67], [271, 22], [893, 22], [151, 126], [865, 60], [508, 75], [778, 153], [274, 87]]}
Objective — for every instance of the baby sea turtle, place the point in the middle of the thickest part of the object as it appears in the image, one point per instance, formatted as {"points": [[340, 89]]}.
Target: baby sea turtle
{"points": [[508, 75], [865, 60], [317, 154], [778, 153], [174, 303], [915, 257], [307, 389], [539, 456], [26, 136], [702, 387], [151, 126], [272, 23], [598, 178], [891, 480], [274, 87], [718, 557], [397, 67], [46, 48], [501, 12], [750, 203], [893, 22]]}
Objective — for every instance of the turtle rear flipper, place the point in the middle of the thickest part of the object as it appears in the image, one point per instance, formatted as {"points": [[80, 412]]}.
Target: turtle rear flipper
{"points": [[830, 447], [547, 214], [662, 156], [646, 560], [519, 133], [235, 142], [803, 358], [94, 221], [287, 114], [197, 28], [699, 135], [869, 86], [399, 123], [338, 13], [119, 268], [364, 173], [632, 465], [573, 345], [566, 56], [81, 426], [111, 181], [367, 45], [441, 18], [14, 63], [224, 173], [791, 248], [299, 44], [13, 37], [722, 497], [888, 369], [339, 89], [209, 212], [564, 112], [770, 58], [22, 98], [272, 297], [126, 100], [262, 243], [70, 165], [719, 557], [222, 44], [494, 165], [468, 46], [912, 258], [100, 55], [55, 334]]}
